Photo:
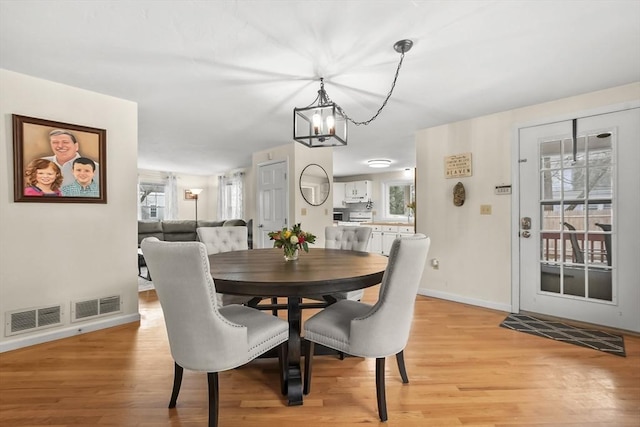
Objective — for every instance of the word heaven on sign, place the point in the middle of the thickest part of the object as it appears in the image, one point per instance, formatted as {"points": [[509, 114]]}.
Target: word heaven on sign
{"points": [[457, 165]]}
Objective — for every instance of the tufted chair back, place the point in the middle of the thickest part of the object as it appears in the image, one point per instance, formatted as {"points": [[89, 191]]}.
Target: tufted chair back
{"points": [[347, 238], [223, 239]]}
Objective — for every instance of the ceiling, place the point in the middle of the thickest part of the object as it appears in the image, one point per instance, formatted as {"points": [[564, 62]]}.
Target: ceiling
{"points": [[217, 80]]}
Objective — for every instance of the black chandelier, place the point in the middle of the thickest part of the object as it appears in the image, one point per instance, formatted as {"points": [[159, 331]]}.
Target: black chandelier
{"points": [[323, 123]]}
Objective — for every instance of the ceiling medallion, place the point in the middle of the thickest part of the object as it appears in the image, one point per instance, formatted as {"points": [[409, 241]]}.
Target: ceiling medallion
{"points": [[323, 123]]}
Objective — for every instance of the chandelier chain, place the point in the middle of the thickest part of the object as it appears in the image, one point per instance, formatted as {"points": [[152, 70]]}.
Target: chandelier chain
{"points": [[393, 85]]}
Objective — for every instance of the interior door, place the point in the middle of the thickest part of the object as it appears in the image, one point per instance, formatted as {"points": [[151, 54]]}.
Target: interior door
{"points": [[579, 221], [273, 198]]}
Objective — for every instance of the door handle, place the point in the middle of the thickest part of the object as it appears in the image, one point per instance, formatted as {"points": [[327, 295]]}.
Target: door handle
{"points": [[260, 226], [525, 234]]}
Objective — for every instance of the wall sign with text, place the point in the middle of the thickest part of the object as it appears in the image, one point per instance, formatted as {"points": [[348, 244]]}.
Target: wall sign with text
{"points": [[458, 165]]}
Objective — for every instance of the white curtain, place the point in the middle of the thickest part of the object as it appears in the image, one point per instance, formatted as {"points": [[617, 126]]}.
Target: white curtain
{"points": [[171, 197], [231, 196], [139, 208], [221, 197]]}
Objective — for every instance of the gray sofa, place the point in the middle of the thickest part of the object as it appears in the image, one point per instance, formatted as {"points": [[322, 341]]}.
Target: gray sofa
{"points": [[182, 231], [185, 230]]}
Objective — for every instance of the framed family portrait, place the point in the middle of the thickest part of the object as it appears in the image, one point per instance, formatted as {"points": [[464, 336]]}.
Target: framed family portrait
{"points": [[57, 162]]}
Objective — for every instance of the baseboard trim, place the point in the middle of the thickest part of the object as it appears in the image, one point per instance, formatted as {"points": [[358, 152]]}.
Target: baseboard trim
{"points": [[464, 300], [69, 331]]}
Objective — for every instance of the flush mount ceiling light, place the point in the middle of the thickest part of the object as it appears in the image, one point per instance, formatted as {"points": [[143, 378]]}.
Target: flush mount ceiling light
{"points": [[379, 163], [323, 123]]}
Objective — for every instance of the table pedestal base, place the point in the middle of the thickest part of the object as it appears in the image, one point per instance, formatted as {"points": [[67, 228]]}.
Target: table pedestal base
{"points": [[294, 375]]}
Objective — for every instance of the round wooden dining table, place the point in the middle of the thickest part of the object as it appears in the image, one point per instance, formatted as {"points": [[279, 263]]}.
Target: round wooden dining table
{"points": [[318, 273]]}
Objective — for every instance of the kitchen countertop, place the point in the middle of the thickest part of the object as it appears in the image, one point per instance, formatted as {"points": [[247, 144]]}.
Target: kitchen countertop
{"points": [[401, 224], [397, 224]]}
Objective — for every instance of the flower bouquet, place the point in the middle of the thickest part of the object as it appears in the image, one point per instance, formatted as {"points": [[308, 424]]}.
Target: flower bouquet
{"points": [[412, 206], [291, 240]]}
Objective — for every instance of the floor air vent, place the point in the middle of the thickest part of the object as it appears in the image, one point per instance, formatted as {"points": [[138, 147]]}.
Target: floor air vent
{"points": [[21, 321], [82, 310]]}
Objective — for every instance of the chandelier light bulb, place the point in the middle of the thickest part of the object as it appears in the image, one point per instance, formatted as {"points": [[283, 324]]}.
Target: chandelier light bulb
{"points": [[331, 125], [317, 122]]}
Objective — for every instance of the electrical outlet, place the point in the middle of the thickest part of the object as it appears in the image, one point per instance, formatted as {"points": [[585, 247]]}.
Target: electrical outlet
{"points": [[485, 209]]}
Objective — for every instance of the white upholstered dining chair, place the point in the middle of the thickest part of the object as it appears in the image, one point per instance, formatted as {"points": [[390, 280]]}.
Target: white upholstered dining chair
{"points": [[204, 336], [348, 238], [378, 330], [225, 239]]}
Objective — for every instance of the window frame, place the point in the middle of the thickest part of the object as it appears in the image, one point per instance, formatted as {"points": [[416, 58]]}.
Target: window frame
{"points": [[386, 214], [160, 208]]}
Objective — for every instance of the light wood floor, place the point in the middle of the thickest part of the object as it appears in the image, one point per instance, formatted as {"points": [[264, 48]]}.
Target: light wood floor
{"points": [[463, 370]]}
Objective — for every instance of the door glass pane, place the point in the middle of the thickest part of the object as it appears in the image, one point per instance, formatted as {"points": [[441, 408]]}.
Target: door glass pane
{"points": [[551, 184], [600, 149], [550, 155], [600, 216], [599, 183], [573, 183], [551, 217], [571, 157], [576, 191], [551, 239]]}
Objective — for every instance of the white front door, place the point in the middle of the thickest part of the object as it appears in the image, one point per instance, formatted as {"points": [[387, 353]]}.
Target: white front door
{"points": [[579, 219], [273, 196]]}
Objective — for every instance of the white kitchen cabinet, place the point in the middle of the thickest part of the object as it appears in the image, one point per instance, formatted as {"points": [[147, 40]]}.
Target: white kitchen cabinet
{"points": [[406, 230], [338, 194], [387, 242], [357, 191], [375, 241], [382, 236], [390, 233]]}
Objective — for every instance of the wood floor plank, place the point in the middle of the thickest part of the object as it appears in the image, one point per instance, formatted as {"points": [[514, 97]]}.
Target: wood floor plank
{"points": [[464, 370]]}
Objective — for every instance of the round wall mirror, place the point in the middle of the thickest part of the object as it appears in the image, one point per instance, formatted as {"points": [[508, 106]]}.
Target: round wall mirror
{"points": [[314, 184]]}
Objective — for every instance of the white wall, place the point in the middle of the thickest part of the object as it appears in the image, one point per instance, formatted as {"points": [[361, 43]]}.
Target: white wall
{"points": [[474, 251], [314, 219], [55, 253]]}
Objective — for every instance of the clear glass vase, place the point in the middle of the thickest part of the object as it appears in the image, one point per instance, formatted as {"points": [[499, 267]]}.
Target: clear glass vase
{"points": [[290, 254]]}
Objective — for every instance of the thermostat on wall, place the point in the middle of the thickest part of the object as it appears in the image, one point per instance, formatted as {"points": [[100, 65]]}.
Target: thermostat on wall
{"points": [[503, 189]]}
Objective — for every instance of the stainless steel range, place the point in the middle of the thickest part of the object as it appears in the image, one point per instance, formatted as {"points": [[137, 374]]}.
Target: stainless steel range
{"points": [[361, 216]]}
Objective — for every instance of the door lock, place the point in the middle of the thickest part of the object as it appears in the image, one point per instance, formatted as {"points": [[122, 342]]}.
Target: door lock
{"points": [[525, 223]]}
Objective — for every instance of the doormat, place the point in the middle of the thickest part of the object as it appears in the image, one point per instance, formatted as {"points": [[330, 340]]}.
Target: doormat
{"points": [[590, 338]]}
